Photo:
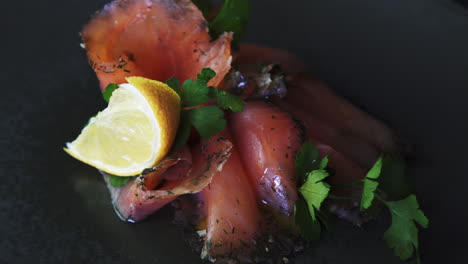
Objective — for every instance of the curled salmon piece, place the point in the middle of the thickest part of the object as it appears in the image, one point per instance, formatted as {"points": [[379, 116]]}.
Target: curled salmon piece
{"points": [[269, 139], [233, 216], [134, 201], [175, 166], [156, 39]]}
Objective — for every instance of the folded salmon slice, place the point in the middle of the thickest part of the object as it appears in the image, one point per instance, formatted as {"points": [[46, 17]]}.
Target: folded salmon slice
{"points": [[313, 96], [360, 151], [134, 201], [316, 98], [269, 139], [233, 216], [174, 166], [156, 39]]}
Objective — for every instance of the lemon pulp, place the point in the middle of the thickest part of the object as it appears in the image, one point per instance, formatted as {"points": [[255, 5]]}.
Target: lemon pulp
{"points": [[134, 132]]}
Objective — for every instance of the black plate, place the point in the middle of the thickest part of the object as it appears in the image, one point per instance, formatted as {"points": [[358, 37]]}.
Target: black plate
{"points": [[405, 62]]}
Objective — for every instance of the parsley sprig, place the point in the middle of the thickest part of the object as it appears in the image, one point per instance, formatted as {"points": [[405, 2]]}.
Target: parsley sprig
{"points": [[118, 181], [371, 184], [202, 106], [401, 236], [232, 17], [310, 172], [107, 93]]}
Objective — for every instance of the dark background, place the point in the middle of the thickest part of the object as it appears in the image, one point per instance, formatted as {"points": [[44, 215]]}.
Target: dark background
{"points": [[404, 61]]}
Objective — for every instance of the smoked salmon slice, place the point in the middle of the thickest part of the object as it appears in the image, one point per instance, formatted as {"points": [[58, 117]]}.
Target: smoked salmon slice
{"points": [[134, 201], [233, 216], [313, 96], [156, 39], [269, 139], [316, 98], [357, 149]]}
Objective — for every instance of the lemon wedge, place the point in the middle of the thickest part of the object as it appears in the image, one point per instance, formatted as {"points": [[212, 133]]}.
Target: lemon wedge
{"points": [[134, 132]]}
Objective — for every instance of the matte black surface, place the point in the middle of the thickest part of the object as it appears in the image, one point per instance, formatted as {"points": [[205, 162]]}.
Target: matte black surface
{"points": [[403, 61]]}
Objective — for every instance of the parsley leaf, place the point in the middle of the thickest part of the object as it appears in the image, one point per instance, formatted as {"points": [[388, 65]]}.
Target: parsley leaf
{"points": [[185, 127], [226, 100], [371, 184], [402, 235], [110, 88], [194, 93], [207, 120], [206, 75], [118, 181], [323, 163], [310, 172], [232, 17], [314, 190], [174, 83], [306, 161], [309, 228]]}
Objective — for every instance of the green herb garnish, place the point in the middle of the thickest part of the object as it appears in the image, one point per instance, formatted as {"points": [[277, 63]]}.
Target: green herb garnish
{"points": [[118, 181], [315, 190], [232, 17], [174, 84], [371, 184], [387, 172], [194, 93], [309, 228], [206, 74], [110, 88], [207, 119], [310, 172], [226, 100], [402, 235], [307, 160]]}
